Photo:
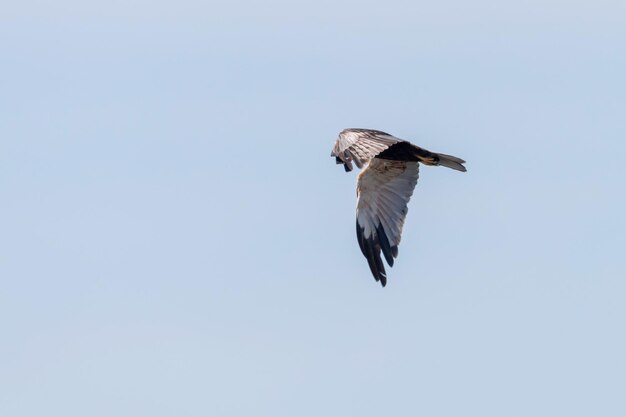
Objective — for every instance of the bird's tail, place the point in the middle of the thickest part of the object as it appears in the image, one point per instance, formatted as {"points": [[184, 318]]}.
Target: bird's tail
{"points": [[450, 162], [432, 158]]}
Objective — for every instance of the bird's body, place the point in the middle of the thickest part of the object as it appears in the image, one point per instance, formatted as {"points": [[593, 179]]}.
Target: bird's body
{"points": [[384, 188]]}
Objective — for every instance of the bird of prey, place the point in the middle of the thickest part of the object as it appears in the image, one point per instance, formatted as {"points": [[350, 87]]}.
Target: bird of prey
{"points": [[384, 188]]}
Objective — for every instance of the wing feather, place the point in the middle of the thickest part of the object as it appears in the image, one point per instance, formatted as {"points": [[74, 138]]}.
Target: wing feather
{"points": [[360, 146], [384, 189]]}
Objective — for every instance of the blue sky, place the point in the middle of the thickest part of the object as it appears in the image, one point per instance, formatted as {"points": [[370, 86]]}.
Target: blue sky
{"points": [[176, 240]]}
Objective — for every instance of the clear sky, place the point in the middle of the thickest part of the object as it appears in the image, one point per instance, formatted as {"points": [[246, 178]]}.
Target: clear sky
{"points": [[176, 241]]}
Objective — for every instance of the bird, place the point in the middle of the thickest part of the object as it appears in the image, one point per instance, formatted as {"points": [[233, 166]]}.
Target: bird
{"points": [[384, 188]]}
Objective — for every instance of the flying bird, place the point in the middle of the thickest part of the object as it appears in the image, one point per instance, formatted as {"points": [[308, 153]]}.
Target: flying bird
{"points": [[383, 188]]}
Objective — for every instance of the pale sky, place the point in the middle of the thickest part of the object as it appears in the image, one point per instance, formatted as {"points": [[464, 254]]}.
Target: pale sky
{"points": [[177, 241]]}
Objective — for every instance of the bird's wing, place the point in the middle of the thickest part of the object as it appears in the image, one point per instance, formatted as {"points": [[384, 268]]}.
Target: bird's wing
{"points": [[360, 146], [384, 189]]}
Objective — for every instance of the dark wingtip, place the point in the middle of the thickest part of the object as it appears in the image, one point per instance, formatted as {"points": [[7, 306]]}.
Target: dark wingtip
{"points": [[371, 248], [347, 165], [384, 244], [360, 239]]}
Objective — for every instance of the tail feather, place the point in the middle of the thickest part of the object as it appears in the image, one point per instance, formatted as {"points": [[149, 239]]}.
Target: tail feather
{"points": [[431, 158], [451, 162]]}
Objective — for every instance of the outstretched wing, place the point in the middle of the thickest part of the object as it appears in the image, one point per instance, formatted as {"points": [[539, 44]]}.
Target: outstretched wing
{"points": [[360, 146], [384, 189]]}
